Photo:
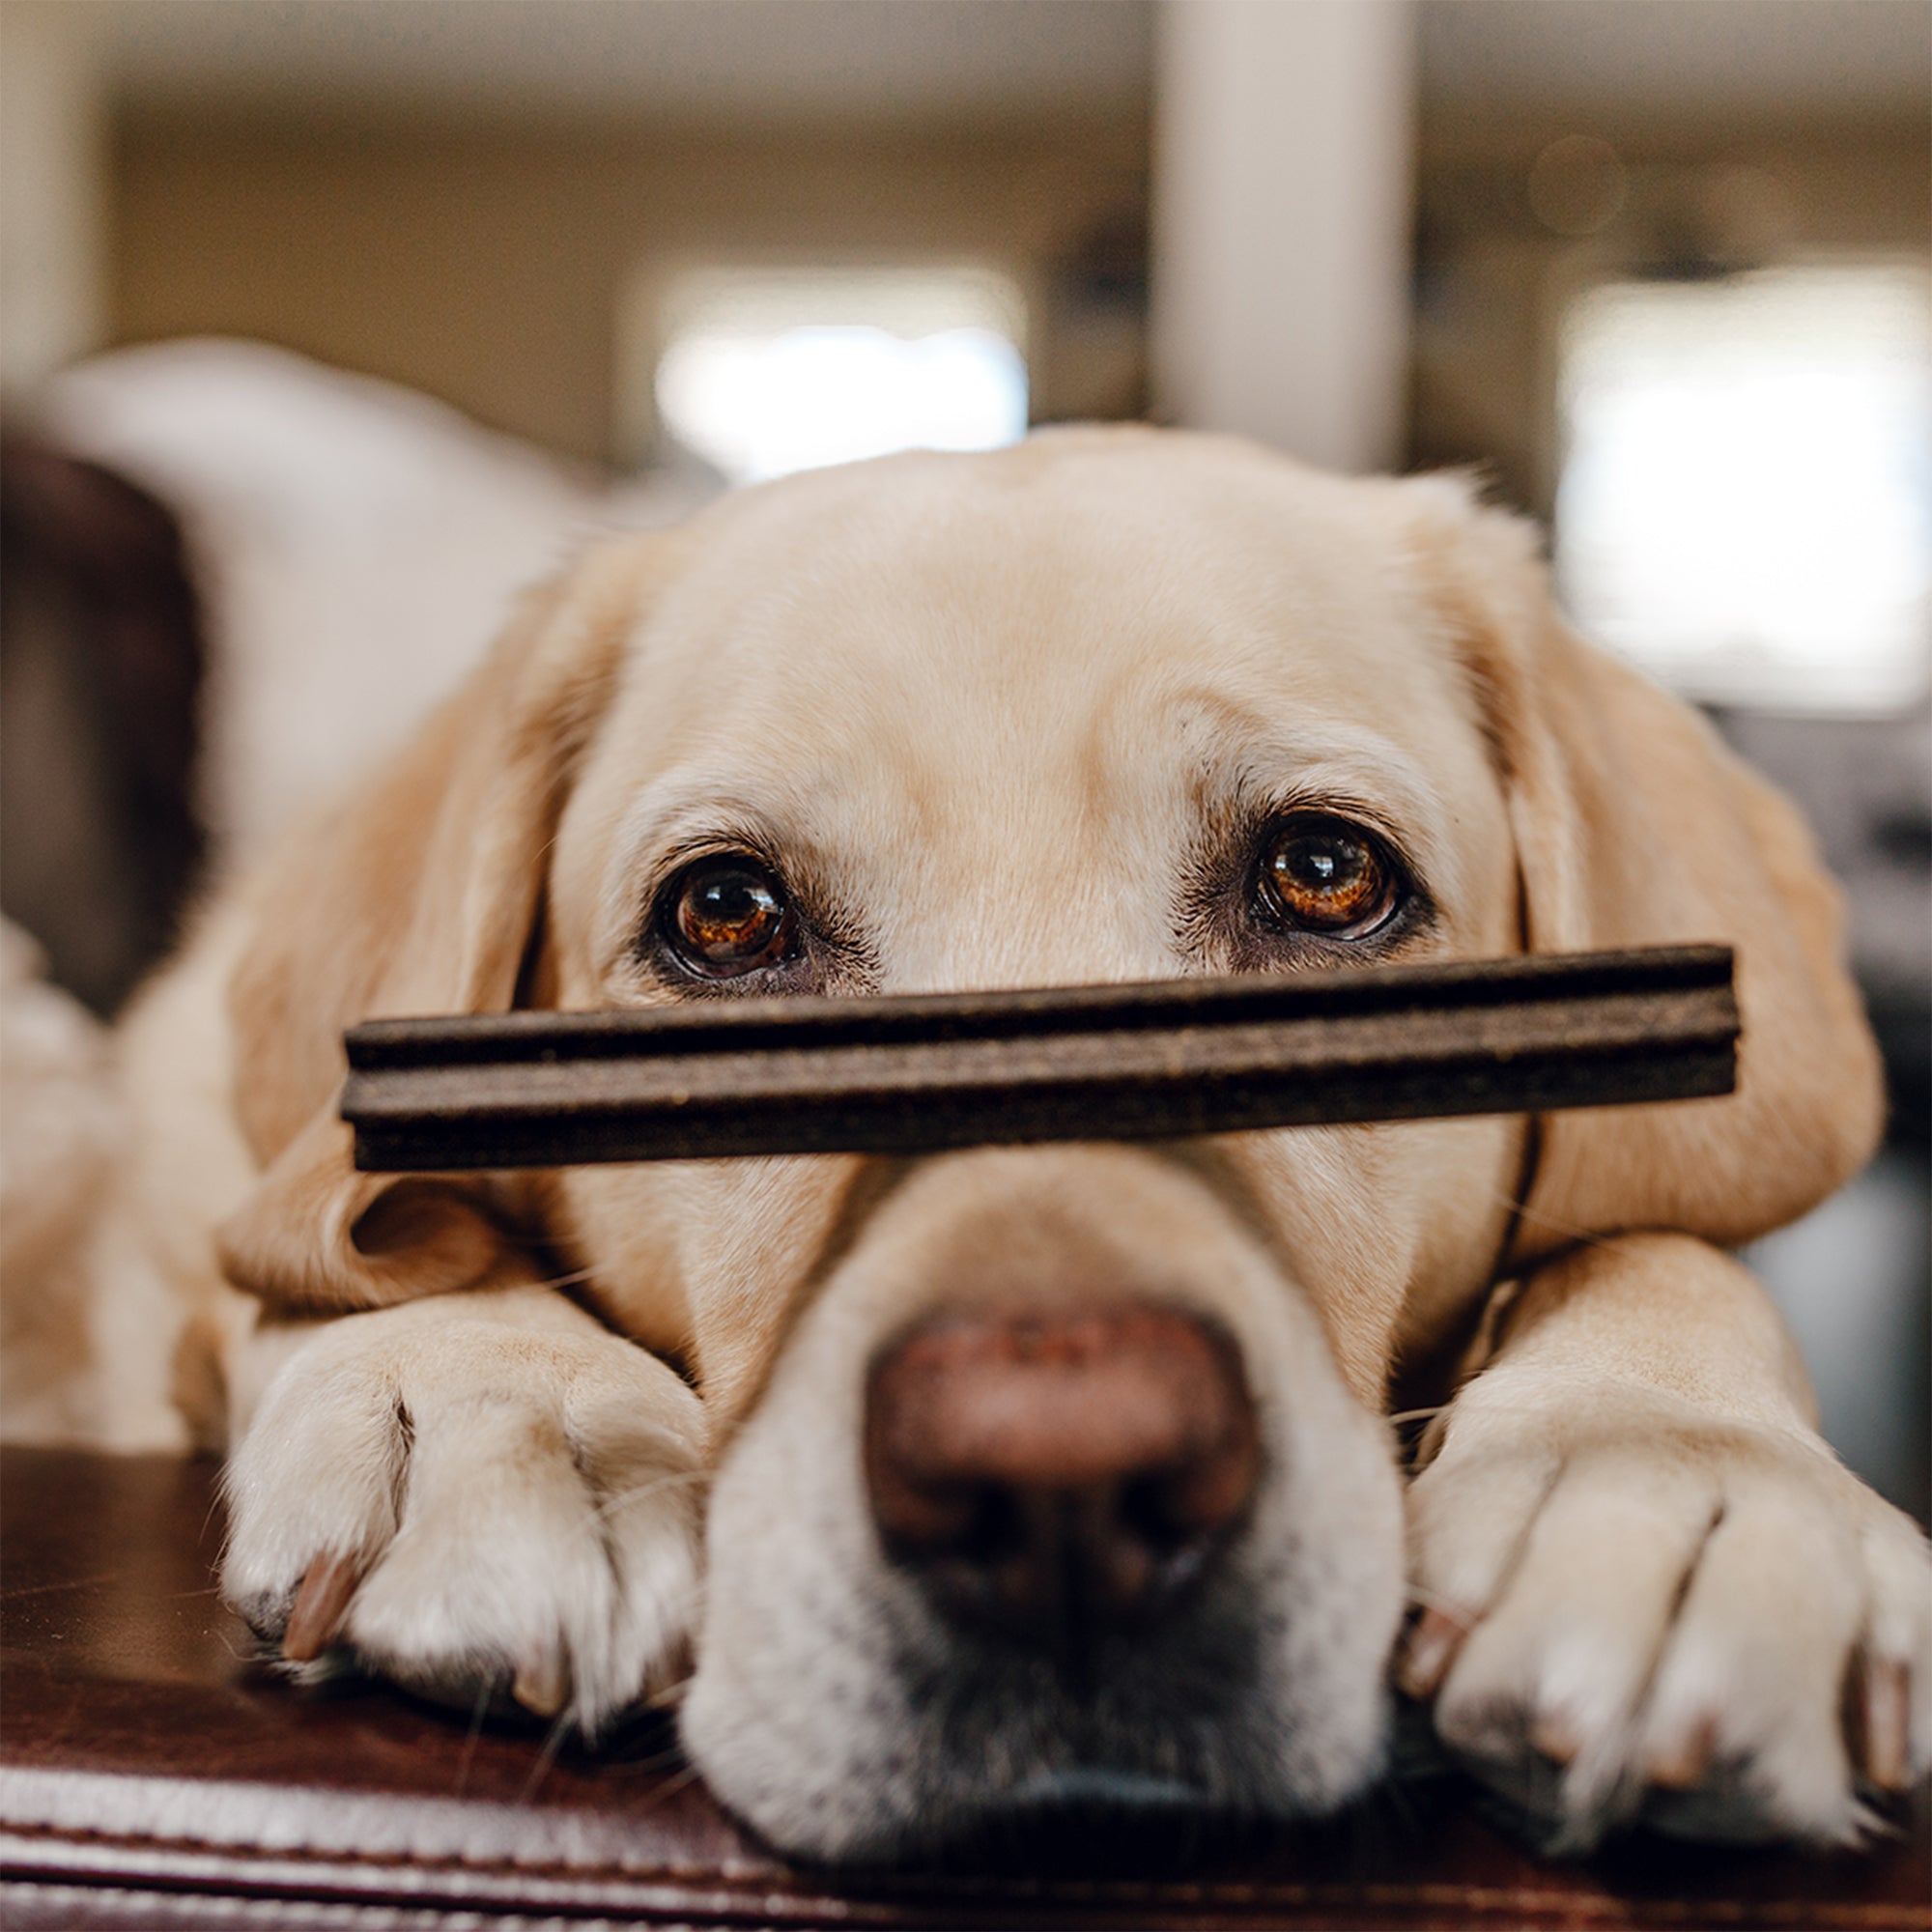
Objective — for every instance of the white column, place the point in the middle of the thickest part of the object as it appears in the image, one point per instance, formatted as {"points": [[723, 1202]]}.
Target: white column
{"points": [[52, 190], [1283, 146]]}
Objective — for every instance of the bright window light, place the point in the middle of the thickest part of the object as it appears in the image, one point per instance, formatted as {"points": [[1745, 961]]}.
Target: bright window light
{"points": [[1745, 502], [762, 372]]}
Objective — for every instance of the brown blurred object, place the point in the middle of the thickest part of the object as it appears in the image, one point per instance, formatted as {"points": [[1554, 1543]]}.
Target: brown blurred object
{"points": [[101, 673]]}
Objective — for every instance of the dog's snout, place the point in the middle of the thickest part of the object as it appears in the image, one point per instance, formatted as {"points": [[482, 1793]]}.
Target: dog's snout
{"points": [[1045, 1473]]}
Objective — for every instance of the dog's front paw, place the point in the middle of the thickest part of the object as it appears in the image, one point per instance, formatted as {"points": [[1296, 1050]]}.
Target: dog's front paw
{"points": [[1630, 1611], [475, 1496]]}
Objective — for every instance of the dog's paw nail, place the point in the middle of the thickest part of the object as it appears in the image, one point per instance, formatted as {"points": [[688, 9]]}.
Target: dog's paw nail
{"points": [[320, 1604], [1681, 1767], [1555, 1737], [542, 1685], [1429, 1651], [1885, 1705]]}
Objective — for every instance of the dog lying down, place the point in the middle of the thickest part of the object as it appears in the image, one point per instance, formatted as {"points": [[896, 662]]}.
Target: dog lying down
{"points": [[939, 1491]]}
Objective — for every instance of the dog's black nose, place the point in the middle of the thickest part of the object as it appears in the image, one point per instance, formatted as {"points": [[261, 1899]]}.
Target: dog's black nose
{"points": [[1045, 1473]]}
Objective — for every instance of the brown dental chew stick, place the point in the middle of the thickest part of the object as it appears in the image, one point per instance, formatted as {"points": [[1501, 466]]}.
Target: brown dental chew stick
{"points": [[910, 1075]]}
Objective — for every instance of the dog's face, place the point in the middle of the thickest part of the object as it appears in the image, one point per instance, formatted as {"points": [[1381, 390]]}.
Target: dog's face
{"points": [[1052, 1473], [1082, 720]]}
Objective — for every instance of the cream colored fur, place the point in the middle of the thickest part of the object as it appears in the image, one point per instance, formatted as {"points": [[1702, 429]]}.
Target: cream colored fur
{"points": [[993, 705]]}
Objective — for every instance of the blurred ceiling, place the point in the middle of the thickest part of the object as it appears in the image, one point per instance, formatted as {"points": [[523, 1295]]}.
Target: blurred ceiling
{"points": [[1680, 55], [887, 59], [815, 58]]}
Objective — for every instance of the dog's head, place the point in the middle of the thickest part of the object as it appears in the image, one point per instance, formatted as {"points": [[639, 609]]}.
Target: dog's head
{"points": [[1057, 1473]]}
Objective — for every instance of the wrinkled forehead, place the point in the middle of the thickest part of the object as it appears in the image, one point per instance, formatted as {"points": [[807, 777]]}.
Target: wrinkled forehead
{"points": [[1015, 626]]}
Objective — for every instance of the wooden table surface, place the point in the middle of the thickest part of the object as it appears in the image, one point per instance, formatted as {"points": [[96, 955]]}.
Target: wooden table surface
{"points": [[153, 1776]]}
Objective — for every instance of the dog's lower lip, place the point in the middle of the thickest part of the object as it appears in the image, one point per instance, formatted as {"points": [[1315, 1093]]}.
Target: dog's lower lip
{"points": [[1097, 1788]]}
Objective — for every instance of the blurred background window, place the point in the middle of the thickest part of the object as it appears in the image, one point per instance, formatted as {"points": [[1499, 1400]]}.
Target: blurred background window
{"points": [[1746, 498], [762, 371]]}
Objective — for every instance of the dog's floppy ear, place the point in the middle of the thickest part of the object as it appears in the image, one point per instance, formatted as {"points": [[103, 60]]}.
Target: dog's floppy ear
{"points": [[1635, 826], [422, 896]]}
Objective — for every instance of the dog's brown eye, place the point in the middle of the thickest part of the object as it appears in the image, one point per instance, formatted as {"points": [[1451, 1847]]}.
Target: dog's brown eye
{"points": [[726, 916], [1326, 875]]}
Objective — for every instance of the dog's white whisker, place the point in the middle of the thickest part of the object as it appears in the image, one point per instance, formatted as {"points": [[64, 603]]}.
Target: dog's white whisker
{"points": [[570, 1280], [679, 1479], [478, 1710], [669, 1696], [663, 1792], [556, 1732]]}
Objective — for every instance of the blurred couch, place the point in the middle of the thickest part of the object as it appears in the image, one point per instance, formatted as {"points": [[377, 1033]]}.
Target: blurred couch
{"points": [[233, 578]]}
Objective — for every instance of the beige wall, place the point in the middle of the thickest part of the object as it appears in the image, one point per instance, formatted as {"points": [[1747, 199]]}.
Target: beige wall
{"points": [[486, 264]]}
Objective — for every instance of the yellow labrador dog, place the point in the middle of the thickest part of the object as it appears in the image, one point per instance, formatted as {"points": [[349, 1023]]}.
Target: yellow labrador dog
{"points": [[951, 1488]]}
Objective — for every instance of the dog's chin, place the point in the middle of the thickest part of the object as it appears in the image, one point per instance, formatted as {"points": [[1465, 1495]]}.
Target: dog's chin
{"points": [[1021, 1792], [1069, 1816]]}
